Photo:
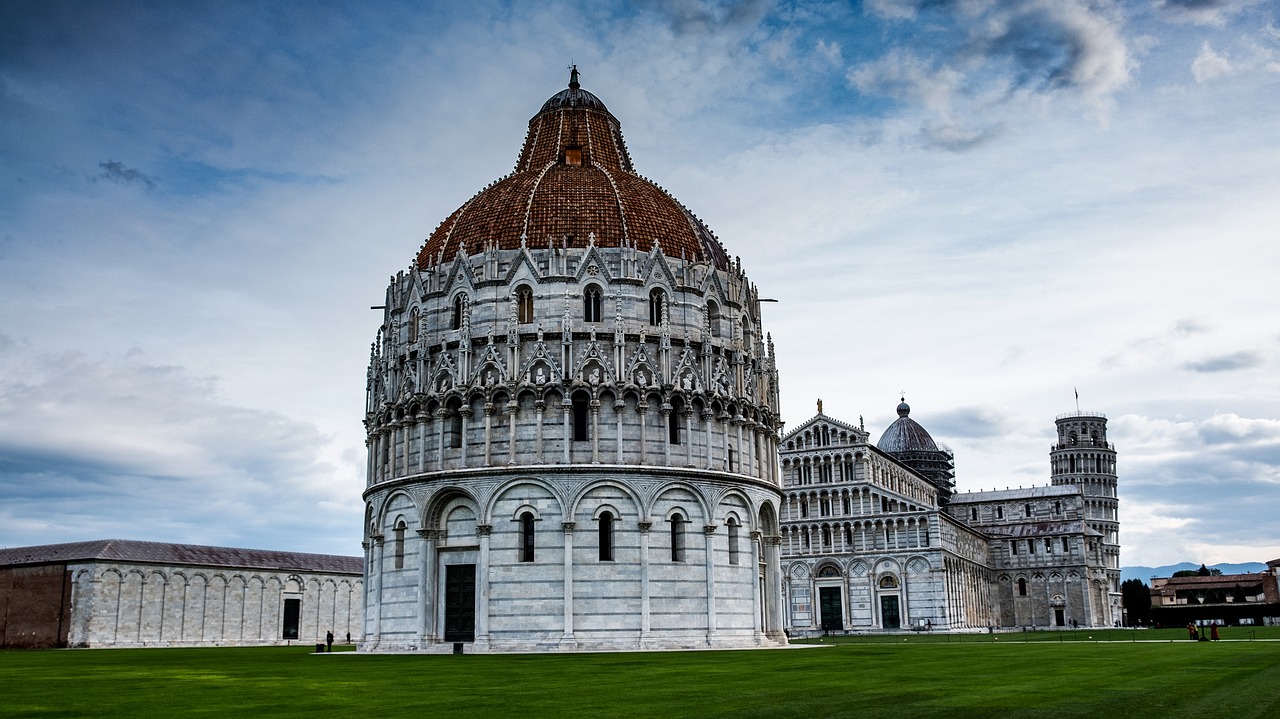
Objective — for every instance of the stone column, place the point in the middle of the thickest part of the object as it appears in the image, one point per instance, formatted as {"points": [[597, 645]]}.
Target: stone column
{"points": [[427, 585], [665, 412], [618, 406], [773, 569], [466, 412], [687, 414], [424, 421], [566, 411], [706, 425], [757, 608], [512, 408], [644, 582], [539, 407], [482, 585], [488, 433], [709, 536], [566, 640], [377, 589], [371, 447], [442, 415], [595, 430], [643, 409]]}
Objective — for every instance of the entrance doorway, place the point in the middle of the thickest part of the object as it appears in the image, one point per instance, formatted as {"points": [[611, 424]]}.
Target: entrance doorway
{"points": [[460, 603], [1059, 617], [890, 618], [832, 608], [292, 611]]}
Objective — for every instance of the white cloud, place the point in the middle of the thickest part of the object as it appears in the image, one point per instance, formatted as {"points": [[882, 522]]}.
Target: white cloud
{"points": [[1209, 64]]}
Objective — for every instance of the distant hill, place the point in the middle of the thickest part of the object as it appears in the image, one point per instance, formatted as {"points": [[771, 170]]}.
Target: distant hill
{"points": [[1146, 573]]}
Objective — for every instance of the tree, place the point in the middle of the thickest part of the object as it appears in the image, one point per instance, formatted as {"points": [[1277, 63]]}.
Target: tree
{"points": [[1136, 596]]}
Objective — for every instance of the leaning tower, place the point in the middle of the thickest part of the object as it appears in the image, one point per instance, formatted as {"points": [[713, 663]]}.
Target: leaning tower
{"points": [[571, 418], [1083, 457]]}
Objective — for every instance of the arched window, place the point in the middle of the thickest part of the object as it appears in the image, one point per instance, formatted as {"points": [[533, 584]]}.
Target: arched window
{"points": [[399, 540], [656, 306], [413, 325], [526, 537], [713, 318], [455, 427], [459, 309], [581, 416], [1022, 587], [677, 537], [734, 552], [591, 304], [1026, 510], [606, 536], [524, 305]]}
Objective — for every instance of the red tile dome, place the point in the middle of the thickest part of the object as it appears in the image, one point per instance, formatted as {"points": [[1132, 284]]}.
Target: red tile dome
{"points": [[573, 180]]}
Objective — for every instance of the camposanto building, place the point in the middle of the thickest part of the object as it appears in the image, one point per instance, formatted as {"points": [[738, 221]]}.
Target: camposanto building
{"points": [[571, 419]]}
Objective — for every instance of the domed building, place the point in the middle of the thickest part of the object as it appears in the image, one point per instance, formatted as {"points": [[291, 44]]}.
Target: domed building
{"points": [[906, 441], [571, 419]]}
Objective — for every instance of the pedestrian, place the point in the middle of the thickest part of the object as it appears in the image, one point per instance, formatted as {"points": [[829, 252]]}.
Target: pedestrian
{"points": [[1191, 631], [348, 637], [328, 639], [1213, 632]]}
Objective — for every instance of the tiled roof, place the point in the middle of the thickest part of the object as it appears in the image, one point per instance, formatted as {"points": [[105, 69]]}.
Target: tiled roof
{"points": [[127, 550], [551, 198], [1005, 495]]}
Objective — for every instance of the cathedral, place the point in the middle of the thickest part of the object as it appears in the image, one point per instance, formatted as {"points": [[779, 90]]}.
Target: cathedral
{"points": [[572, 419], [875, 538]]}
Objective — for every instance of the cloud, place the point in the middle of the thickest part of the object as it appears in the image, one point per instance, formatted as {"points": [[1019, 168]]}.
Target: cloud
{"points": [[1057, 44], [1209, 64], [117, 172], [1202, 12], [972, 422], [701, 17], [114, 446], [1225, 363]]}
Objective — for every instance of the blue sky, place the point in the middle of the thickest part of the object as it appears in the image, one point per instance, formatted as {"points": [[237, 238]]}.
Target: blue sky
{"points": [[984, 203]]}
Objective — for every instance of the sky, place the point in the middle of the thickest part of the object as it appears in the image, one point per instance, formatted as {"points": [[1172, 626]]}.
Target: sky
{"points": [[984, 205]]}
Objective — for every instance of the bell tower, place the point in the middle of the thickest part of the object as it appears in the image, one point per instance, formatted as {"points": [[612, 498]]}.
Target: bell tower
{"points": [[1083, 457]]}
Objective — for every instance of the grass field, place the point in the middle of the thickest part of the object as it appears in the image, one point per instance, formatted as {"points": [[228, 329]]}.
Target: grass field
{"points": [[860, 677]]}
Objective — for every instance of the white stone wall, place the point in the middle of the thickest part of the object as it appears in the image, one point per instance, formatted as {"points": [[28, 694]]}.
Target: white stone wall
{"points": [[644, 597], [137, 605]]}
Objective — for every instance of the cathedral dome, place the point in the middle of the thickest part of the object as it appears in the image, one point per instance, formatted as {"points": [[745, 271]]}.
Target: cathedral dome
{"points": [[906, 435], [573, 185]]}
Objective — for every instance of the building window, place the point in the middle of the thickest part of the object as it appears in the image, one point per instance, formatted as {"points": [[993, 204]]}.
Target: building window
{"points": [[999, 512], [606, 536], [673, 420], [713, 318], [1031, 546], [1057, 507], [973, 514], [826, 536], [845, 505], [591, 304], [1026, 510], [459, 309], [732, 526], [1022, 587], [581, 416], [1048, 546], [526, 537], [824, 506], [413, 325], [524, 305], [399, 547], [1013, 547], [1065, 546], [677, 537], [804, 508], [656, 307], [455, 429]]}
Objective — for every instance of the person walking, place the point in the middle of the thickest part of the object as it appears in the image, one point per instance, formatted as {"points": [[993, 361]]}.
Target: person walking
{"points": [[328, 640], [1213, 632]]}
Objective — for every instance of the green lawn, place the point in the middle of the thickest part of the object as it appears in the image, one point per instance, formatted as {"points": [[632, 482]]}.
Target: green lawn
{"points": [[922, 677]]}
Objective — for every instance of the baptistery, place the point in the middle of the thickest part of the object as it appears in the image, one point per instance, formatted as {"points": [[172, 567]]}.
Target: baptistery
{"points": [[571, 419]]}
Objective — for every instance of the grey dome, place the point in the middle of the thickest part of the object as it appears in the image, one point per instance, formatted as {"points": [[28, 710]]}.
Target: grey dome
{"points": [[906, 435]]}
